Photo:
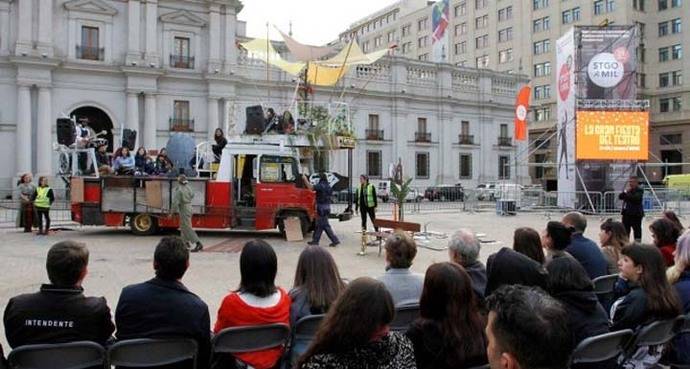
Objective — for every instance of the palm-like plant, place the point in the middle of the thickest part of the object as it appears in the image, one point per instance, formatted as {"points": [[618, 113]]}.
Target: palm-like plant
{"points": [[400, 192]]}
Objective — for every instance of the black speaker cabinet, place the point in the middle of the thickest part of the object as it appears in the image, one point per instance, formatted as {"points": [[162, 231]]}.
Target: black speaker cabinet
{"points": [[65, 131], [129, 138], [255, 120]]}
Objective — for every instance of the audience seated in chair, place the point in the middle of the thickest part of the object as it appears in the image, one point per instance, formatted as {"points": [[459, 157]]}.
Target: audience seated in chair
{"points": [[403, 285], [679, 277], [507, 267], [463, 249], [355, 333], [612, 238], [582, 248], [163, 307], [527, 329], [450, 330], [528, 242], [257, 300], [555, 238], [665, 235], [59, 312], [648, 297]]}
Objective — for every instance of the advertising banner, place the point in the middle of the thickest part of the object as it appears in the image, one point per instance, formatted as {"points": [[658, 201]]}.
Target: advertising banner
{"points": [[439, 24], [612, 135], [565, 84]]}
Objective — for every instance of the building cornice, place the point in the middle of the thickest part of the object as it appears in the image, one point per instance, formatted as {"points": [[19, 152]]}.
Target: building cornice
{"points": [[184, 17], [90, 6]]}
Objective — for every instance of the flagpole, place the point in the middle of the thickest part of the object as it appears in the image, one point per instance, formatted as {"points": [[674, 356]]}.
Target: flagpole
{"points": [[268, 70]]}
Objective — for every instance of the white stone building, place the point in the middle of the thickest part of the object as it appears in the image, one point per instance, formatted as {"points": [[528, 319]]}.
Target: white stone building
{"points": [[159, 66]]}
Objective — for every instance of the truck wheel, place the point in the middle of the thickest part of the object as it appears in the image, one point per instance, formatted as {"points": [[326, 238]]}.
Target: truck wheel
{"points": [[385, 199], [143, 224], [304, 223]]}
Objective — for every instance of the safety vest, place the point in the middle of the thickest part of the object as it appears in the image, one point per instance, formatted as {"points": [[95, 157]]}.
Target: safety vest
{"points": [[42, 200], [371, 201]]}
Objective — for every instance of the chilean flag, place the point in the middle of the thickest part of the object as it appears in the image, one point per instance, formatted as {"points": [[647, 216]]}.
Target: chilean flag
{"points": [[521, 109], [439, 19]]}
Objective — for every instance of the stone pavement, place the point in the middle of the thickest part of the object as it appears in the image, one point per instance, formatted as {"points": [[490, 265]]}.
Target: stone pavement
{"points": [[118, 258]]}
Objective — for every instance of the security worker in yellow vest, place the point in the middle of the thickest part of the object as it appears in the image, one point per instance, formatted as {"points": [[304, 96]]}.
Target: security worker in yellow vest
{"points": [[43, 198], [365, 201]]}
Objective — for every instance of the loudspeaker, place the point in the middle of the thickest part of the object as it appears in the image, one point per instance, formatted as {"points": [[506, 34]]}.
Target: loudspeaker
{"points": [[65, 131], [129, 138], [255, 120]]}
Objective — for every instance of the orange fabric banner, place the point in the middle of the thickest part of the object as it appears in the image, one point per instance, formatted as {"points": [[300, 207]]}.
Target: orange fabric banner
{"points": [[521, 109]]}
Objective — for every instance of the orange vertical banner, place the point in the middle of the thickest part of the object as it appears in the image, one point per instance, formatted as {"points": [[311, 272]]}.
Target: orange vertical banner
{"points": [[521, 109]]}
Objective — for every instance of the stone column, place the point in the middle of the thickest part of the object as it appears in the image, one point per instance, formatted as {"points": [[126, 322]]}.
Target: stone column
{"points": [[214, 38], [4, 28], [212, 116], [23, 137], [25, 15], [134, 14], [230, 48], [150, 121], [227, 104], [151, 32], [132, 111], [45, 27], [44, 132]]}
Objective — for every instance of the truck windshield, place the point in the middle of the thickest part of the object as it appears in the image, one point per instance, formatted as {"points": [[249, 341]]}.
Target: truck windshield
{"points": [[276, 169]]}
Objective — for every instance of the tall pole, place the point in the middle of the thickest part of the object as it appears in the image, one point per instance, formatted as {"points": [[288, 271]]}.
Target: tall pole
{"points": [[268, 71]]}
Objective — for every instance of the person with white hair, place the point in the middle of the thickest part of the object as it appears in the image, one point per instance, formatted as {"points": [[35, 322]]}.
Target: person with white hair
{"points": [[463, 249]]}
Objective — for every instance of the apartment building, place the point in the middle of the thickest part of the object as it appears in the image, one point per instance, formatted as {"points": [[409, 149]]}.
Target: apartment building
{"points": [[519, 37]]}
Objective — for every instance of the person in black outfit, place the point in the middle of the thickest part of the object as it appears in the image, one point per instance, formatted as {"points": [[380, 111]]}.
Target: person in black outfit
{"points": [[220, 144], [324, 192], [508, 267], [632, 211], [163, 307], [59, 312], [366, 201]]}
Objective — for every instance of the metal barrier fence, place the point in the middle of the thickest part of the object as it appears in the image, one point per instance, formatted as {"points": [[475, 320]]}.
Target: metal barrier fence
{"points": [[10, 207]]}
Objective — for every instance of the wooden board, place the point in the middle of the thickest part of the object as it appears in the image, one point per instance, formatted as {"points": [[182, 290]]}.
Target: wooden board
{"points": [[77, 190], [405, 226], [154, 194], [293, 229]]}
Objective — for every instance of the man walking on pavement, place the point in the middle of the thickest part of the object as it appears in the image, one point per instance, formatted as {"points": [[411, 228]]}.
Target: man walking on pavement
{"points": [[365, 200], [633, 211], [182, 205], [323, 210]]}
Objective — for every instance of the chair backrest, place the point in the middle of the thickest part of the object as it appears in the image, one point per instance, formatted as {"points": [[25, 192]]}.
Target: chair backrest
{"points": [[149, 352], [237, 340], [404, 316], [683, 324], [602, 347], [306, 327], [604, 284], [73, 355], [656, 333]]}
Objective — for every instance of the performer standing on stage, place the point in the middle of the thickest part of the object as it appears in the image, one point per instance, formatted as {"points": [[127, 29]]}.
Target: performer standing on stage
{"points": [[182, 205], [633, 211], [323, 210], [366, 202]]}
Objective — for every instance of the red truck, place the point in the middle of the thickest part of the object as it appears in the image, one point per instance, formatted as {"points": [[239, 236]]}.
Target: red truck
{"points": [[257, 186]]}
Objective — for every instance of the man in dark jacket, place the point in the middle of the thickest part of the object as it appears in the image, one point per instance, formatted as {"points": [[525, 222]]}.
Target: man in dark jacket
{"points": [[463, 249], [366, 201], [163, 307], [59, 312], [323, 210], [509, 267], [633, 211], [582, 248]]}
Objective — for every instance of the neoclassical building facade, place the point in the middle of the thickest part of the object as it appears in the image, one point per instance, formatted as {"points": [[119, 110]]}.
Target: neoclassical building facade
{"points": [[164, 66]]}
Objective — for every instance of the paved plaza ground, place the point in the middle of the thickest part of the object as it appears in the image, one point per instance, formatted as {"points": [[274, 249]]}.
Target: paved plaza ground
{"points": [[119, 258]]}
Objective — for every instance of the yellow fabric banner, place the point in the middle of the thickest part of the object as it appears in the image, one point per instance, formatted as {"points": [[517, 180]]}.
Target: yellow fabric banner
{"points": [[320, 75], [261, 48], [352, 54]]}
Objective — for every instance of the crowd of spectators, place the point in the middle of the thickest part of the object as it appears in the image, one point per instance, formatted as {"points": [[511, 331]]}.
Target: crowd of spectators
{"points": [[528, 308]]}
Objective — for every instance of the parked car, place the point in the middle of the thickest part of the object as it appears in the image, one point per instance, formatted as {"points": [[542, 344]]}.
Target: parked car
{"points": [[383, 190], [445, 193], [414, 195], [486, 191]]}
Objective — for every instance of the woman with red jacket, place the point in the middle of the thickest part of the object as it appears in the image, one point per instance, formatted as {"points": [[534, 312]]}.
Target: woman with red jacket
{"points": [[665, 235], [257, 301]]}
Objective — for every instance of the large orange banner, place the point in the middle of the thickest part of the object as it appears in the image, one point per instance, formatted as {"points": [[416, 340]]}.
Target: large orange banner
{"points": [[612, 135]]}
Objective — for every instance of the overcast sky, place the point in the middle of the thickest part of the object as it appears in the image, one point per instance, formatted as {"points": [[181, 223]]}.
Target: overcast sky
{"points": [[314, 22]]}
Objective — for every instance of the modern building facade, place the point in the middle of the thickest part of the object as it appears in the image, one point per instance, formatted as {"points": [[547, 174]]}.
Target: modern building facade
{"points": [[166, 66], [520, 37]]}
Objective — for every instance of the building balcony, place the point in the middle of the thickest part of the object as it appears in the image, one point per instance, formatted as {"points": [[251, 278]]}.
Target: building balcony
{"points": [[182, 61], [422, 137], [181, 125], [466, 139], [89, 53], [374, 134], [505, 141]]}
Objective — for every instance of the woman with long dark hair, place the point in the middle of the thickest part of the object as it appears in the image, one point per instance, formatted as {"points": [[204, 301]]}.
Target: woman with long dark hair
{"points": [[665, 235], [450, 330], [221, 142], [647, 297], [612, 238], [257, 301], [670, 215], [25, 216], [355, 332], [142, 161], [528, 242]]}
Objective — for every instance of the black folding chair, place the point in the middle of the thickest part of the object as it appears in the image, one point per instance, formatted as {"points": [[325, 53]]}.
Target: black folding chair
{"points": [[682, 327], [237, 340], [73, 355], [404, 316], [601, 348], [148, 352], [659, 332], [603, 288], [302, 335]]}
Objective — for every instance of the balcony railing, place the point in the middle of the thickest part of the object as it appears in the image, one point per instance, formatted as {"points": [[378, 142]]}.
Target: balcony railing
{"points": [[505, 141], [466, 139], [422, 136], [374, 134], [181, 125], [182, 61], [89, 52]]}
